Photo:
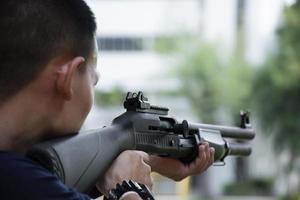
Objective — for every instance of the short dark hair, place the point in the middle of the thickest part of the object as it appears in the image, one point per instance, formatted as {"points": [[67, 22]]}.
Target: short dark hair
{"points": [[32, 32]]}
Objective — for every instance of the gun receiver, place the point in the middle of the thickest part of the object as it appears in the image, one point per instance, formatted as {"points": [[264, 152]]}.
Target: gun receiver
{"points": [[78, 160], [181, 139]]}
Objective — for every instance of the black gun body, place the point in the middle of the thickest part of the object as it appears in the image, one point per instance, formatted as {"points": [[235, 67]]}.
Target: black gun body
{"points": [[164, 136], [152, 137]]}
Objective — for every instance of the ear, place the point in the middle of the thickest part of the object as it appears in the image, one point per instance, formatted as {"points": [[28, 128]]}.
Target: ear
{"points": [[65, 76]]}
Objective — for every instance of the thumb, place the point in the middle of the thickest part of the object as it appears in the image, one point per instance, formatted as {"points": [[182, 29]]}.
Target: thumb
{"points": [[145, 156]]}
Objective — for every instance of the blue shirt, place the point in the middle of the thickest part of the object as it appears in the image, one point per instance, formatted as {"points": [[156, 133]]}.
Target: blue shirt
{"points": [[21, 178]]}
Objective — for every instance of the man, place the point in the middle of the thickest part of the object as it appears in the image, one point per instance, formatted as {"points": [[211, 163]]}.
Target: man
{"points": [[48, 58]]}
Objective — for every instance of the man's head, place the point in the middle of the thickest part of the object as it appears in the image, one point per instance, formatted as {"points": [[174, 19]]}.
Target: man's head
{"points": [[32, 32], [47, 52]]}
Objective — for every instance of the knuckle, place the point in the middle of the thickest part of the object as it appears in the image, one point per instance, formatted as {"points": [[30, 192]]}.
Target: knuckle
{"points": [[204, 157], [150, 183], [148, 168], [177, 178], [180, 176], [208, 165]]}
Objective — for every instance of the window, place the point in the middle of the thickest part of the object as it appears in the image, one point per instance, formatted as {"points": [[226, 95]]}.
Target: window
{"points": [[121, 44]]}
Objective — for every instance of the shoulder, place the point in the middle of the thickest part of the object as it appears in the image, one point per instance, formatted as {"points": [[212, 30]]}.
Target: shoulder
{"points": [[21, 178], [16, 169]]}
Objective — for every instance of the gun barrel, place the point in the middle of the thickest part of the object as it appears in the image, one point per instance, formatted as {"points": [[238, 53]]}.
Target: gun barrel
{"points": [[227, 131], [239, 149]]}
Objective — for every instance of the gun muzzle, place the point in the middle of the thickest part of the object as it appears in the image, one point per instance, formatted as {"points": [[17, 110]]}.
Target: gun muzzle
{"points": [[238, 149]]}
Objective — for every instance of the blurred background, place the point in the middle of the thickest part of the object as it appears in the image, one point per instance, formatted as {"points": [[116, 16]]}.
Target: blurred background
{"points": [[206, 60]]}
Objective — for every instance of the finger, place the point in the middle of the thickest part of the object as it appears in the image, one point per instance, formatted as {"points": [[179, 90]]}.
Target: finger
{"points": [[201, 154], [206, 151], [204, 159], [151, 183], [210, 161], [148, 179], [199, 164], [205, 144], [212, 155], [205, 155], [208, 157], [145, 175], [144, 155], [208, 154], [148, 182], [201, 161], [145, 179]]}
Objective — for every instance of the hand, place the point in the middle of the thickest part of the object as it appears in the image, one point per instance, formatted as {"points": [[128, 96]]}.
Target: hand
{"points": [[131, 196], [177, 171], [129, 165]]}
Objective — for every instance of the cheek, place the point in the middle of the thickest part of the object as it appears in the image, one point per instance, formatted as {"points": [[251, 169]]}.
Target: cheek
{"points": [[87, 100], [82, 100], [81, 108], [83, 93]]}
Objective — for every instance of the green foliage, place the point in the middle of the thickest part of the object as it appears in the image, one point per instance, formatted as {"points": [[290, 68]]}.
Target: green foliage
{"points": [[211, 83], [199, 73], [273, 90], [277, 86], [252, 187], [291, 197], [237, 85], [167, 45], [110, 98], [289, 35]]}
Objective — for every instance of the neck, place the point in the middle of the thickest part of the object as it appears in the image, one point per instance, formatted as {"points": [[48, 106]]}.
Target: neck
{"points": [[22, 122]]}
